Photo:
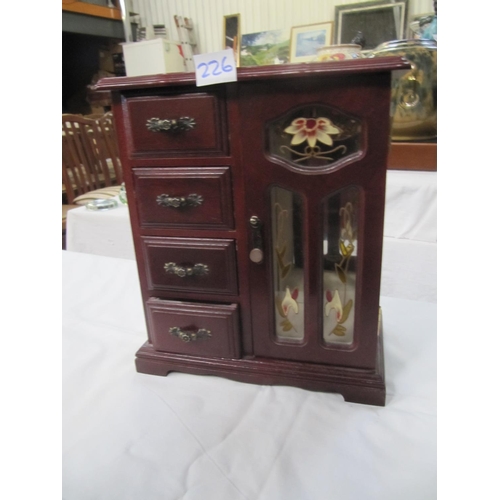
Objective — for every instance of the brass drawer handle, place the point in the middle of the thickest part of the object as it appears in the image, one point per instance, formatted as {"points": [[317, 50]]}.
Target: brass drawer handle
{"points": [[182, 124], [202, 333], [182, 272], [191, 200]]}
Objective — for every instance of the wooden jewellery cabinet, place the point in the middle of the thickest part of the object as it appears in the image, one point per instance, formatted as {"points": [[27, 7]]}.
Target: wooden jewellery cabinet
{"points": [[257, 212]]}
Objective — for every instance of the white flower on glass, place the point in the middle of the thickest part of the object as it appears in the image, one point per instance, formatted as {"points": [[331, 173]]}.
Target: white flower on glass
{"points": [[289, 302], [333, 302], [312, 130]]}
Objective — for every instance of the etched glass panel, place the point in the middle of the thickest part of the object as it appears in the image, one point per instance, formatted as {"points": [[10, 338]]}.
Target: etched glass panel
{"points": [[288, 264], [314, 137], [340, 245]]}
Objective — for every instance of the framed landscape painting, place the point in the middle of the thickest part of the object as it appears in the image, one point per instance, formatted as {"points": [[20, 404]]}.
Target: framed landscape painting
{"points": [[306, 40], [264, 48]]}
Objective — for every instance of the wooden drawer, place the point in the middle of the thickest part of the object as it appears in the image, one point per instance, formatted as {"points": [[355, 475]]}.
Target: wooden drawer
{"points": [[197, 329], [197, 198], [197, 265], [207, 137]]}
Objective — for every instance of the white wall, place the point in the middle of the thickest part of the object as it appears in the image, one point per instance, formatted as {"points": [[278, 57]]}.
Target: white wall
{"points": [[256, 15]]}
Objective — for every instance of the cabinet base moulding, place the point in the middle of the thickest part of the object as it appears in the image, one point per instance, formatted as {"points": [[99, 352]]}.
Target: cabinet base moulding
{"points": [[354, 384]]}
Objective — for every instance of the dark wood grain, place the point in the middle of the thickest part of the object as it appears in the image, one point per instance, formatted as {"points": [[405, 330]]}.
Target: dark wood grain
{"points": [[259, 104], [207, 137], [218, 255], [355, 385], [235, 177], [212, 184], [221, 322], [416, 156], [278, 72]]}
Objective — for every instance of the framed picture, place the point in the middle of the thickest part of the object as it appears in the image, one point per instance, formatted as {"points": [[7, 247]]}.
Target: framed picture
{"points": [[264, 48], [232, 35], [416, 23], [306, 40], [379, 22]]}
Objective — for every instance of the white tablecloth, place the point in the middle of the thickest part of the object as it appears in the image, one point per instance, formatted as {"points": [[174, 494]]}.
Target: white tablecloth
{"points": [[410, 235], [106, 232], [411, 206], [130, 436]]}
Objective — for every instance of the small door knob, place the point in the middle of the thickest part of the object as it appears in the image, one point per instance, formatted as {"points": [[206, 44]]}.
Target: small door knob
{"points": [[256, 255]]}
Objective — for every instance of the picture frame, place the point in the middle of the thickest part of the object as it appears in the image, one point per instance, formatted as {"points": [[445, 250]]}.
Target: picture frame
{"points": [[265, 48], [232, 35], [413, 24], [379, 22], [306, 40]]}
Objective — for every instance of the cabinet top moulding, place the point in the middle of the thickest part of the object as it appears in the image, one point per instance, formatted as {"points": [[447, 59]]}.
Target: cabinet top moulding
{"points": [[350, 67]]}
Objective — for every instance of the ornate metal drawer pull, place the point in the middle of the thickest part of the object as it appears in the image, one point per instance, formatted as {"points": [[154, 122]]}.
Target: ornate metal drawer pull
{"points": [[181, 124], [182, 272], [191, 200], [190, 336]]}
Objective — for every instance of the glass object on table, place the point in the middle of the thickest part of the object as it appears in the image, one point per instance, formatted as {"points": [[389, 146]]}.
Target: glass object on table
{"points": [[122, 195], [102, 204]]}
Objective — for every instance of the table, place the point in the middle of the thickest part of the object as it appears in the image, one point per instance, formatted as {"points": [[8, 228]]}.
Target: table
{"points": [[105, 232], [128, 435]]}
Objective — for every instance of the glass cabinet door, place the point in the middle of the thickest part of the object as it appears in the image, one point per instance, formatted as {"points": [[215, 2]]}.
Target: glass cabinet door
{"points": [[314, 258], [305, 289]]}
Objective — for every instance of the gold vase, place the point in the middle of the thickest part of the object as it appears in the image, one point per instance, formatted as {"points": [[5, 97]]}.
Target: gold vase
{"points": [[414, 92]]}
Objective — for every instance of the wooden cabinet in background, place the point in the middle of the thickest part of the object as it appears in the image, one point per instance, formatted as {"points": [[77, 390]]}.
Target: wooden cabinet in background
{"points": [[420, 156], [257, 210]]}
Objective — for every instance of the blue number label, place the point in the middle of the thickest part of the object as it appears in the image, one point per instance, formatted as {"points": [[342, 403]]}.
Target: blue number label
{"points": [[226, 67], [215, 71], [218, 67]]}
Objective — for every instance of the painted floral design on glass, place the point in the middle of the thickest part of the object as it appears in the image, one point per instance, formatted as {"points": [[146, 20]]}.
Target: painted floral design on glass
{"points": [[288, 306], [314, 137], [288, 266], [334, 302], [312, 130], [339, 265]]}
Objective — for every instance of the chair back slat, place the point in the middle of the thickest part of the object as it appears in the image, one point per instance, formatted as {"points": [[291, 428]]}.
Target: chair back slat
{"points": [[85, 164], [80, 157], [107, 128]]}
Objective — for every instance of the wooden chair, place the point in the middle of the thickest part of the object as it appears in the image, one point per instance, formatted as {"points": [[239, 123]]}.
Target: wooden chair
{"points": [[106, 125], [107, 128], [86, 170]]}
